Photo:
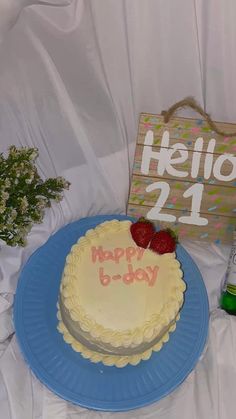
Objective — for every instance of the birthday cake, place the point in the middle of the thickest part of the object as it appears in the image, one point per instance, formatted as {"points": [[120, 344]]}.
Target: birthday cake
{"points": [[119, 301]]}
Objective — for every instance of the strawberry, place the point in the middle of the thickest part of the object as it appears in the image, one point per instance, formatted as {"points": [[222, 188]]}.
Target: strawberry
{"points": [[142, 231], [164, 241]]}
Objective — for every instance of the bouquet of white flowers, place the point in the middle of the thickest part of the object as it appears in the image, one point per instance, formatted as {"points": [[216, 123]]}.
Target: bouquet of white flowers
{"points": [[23, 194]]}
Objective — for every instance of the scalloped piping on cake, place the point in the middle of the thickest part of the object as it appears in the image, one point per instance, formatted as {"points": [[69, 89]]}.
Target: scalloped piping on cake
{"points": [[119, 361]]}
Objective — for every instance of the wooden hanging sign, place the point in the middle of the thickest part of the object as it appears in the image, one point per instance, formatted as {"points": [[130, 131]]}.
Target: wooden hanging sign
{"points": [[184, 176]]}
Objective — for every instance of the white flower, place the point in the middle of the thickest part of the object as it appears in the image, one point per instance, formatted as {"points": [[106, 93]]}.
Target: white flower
{"points": [[58, 198], [12, 215], [2, 208], [7, 183], [5, 196], [34, 154], [28, 181], [42, 202], [64, 183], [23, 204]]}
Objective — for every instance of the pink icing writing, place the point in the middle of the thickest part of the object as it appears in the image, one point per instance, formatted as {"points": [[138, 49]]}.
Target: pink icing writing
{"points": [[148, 274], [101, 255]]}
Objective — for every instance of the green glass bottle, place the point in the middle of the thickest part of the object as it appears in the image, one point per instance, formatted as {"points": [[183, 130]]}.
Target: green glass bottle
{"points": [[228, 296]]}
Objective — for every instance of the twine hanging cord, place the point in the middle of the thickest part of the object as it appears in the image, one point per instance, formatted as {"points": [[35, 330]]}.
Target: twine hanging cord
{"points": [[191, 103]]}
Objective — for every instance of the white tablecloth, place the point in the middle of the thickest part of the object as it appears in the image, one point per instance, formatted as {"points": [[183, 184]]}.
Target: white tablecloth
{"points": [[207, 392], [73, 81]]}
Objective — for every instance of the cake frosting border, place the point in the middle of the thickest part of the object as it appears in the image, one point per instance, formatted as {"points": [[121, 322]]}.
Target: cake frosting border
{"points": [[115, 338]]}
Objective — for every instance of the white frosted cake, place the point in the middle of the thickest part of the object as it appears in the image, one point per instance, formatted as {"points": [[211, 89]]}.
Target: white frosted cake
{"points": [[118, 301]]}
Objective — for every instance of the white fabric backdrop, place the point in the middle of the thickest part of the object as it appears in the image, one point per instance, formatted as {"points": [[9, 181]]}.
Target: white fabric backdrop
{"points": [[73, 80]]}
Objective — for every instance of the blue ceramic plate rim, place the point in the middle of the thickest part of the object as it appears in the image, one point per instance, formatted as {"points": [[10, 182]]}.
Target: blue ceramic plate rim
{"points": [[90, 401]]}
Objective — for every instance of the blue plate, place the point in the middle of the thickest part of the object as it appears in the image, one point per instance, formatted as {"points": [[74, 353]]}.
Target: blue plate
{"points": [[78, 380]]}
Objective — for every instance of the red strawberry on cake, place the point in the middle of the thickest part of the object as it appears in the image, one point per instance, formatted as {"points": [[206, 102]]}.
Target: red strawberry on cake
{"points": [[163, 241], [142, 232]]}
